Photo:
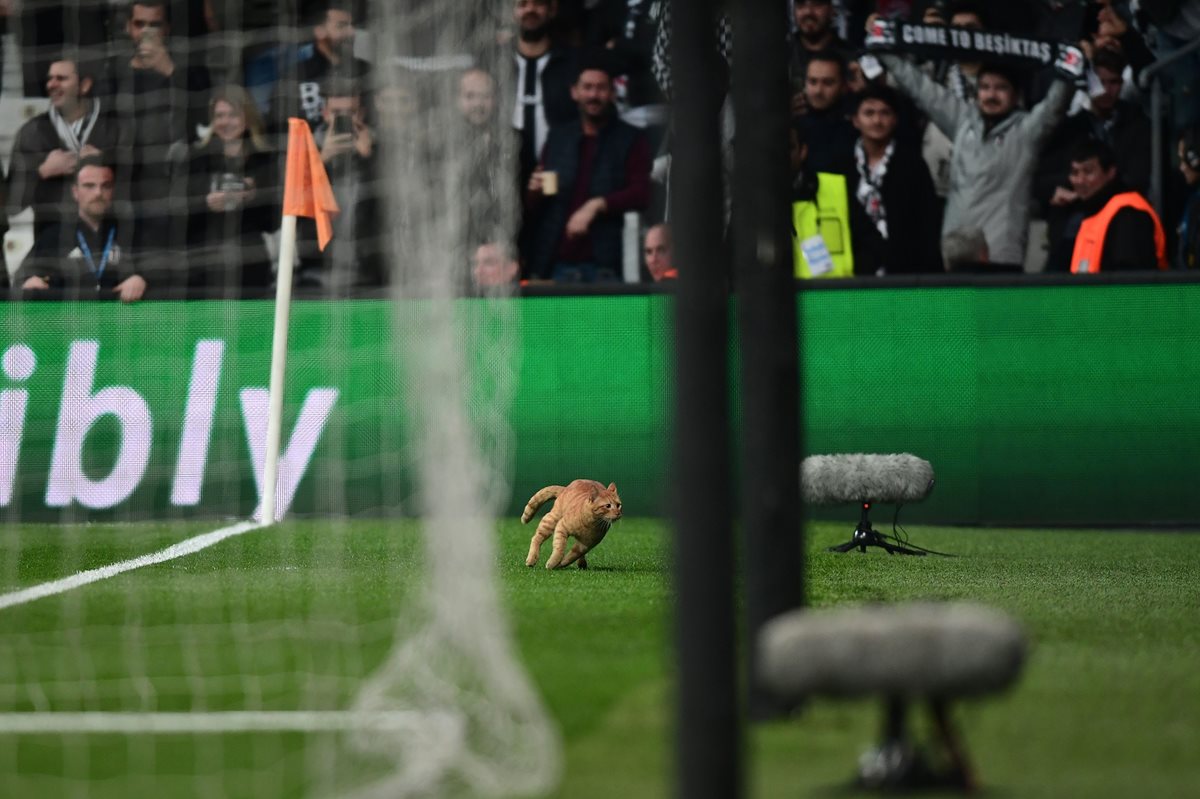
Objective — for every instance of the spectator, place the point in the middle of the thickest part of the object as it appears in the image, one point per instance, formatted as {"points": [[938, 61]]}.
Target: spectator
{"points": [[960, 77], [1120, 124], [480, 161], [829, 232], [601, 169], [815, 33], [1114, 31], [1189, 224], [165, 97], [493, 267], [89, 255], [232, 187], [477, 99], [543, 81], [48, 147], [626, 28], [397, 111], [347, 145], [660, 262], [330, 54], [892, 184], [995, 146], [1111, 228], [159, 102], [829, 134]]}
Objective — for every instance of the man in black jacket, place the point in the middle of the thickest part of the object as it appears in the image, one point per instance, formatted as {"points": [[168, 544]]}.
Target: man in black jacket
{"points": [[815, 33], [329, 55], [601, 169], [91, 256], [158, 99], [49, 146], [891, 182], [829, 133]]}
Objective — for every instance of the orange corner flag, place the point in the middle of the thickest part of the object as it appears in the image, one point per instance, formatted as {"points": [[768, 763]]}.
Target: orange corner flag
{"points": [[306, 189]]}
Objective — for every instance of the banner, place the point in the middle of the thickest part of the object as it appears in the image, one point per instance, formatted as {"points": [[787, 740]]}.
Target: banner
{"points": [[1035, 405], [943, 42]]}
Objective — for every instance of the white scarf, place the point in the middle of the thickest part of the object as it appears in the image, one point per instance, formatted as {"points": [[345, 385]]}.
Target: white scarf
{"points": [[74, 135], [870, 185]]}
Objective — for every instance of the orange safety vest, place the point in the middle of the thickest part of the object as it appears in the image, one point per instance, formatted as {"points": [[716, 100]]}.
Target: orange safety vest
{"points": [[1089, 242]]}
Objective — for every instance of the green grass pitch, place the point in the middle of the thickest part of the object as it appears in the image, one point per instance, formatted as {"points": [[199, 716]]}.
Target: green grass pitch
{"points": [[294, 616]]}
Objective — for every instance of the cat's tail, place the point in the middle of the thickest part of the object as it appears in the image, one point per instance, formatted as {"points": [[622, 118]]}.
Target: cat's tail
{"points": [[535, 502]]}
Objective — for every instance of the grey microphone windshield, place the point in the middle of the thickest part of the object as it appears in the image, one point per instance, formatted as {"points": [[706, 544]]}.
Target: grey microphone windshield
{"points": [[859, 477]]}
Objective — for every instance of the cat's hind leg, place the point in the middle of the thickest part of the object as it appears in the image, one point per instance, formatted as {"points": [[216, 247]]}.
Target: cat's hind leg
{"points": [[576, 554], [544, 530]]}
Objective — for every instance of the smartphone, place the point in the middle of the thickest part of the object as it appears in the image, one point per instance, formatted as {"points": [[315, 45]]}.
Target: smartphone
{"points": [[342, 124]]}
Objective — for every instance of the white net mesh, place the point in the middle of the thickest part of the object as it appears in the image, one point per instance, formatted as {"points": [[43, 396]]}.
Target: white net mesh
{"points": [[453, 661], [154, 643]]}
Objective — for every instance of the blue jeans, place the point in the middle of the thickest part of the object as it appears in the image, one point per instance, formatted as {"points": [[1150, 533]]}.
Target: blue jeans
{"points": [[582, 272]]}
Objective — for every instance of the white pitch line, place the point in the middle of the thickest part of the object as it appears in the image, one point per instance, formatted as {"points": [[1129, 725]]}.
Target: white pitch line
{"points": [[234, 721], [188, 547]]}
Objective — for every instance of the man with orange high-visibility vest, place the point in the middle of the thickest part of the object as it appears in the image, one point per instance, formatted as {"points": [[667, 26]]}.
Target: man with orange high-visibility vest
{"points": [[1118, 229]]}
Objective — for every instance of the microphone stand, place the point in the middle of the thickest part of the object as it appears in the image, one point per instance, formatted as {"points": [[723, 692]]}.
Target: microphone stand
{"points": [[866, 536]]}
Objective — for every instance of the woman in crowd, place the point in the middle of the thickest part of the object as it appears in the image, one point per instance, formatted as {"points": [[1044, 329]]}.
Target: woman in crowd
{"points": [[233, 200]]}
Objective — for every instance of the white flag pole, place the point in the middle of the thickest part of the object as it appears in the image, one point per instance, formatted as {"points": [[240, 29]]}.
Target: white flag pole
{"points": [[279, 346]]}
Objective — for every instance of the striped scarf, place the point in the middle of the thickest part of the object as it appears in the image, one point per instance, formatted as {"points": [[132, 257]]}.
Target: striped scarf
{"points": [[870, 185], [74, 135]]}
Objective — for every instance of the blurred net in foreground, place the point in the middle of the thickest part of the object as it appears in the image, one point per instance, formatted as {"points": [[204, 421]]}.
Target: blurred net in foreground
{"points": [[318, 657]]}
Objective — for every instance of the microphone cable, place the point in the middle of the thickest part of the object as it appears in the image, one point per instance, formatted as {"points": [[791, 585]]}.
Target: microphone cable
{"points": [[900, 536]]}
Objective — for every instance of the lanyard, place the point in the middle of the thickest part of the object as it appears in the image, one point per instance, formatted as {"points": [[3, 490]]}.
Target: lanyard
{"points": [[87, 252]]}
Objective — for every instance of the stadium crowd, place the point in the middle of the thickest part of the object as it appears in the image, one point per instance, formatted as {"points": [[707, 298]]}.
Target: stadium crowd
{"points": [[156, 169]]}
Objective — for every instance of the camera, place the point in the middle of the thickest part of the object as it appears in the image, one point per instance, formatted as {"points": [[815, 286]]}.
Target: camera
{"points": [[342, 124]]}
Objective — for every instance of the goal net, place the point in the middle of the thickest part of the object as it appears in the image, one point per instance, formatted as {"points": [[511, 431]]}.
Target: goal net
{"points": [[154, 640]]}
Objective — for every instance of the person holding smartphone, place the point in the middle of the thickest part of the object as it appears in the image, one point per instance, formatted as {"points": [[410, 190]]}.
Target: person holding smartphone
{"points": [[343, 129], [233, 199], [347, 145]]}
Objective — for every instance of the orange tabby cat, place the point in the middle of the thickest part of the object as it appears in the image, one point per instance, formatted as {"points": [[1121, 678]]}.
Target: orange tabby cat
{"points": [[584, 510]]}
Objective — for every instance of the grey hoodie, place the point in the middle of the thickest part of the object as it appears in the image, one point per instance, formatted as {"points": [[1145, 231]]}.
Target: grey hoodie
{"points": [[991, 174]]}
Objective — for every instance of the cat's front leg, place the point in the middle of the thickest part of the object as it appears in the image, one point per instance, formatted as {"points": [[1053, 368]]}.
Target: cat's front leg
{"points": [[560, 550]]}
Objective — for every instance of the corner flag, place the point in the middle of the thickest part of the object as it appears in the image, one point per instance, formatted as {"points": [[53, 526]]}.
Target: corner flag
{"points": [[306, 189]]}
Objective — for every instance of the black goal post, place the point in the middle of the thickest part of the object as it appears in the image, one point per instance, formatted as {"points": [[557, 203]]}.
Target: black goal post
{"points": [[765, 288], [708, 719]]}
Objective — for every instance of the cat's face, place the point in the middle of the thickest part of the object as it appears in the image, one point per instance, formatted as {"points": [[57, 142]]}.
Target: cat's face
{"points": [[607, 504]]}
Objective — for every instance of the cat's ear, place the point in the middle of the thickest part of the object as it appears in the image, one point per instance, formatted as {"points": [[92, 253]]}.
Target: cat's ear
{"points": [[595, 492], [612, 486]]}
